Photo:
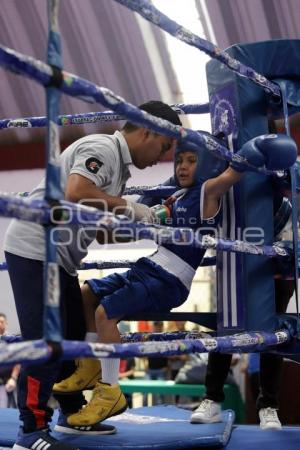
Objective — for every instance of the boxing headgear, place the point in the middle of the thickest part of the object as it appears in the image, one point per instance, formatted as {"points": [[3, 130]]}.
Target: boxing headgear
{"points": [[208, 165]]}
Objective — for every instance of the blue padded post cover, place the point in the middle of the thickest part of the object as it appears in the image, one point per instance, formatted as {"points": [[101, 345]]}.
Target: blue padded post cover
{"points": [[239, 110]]}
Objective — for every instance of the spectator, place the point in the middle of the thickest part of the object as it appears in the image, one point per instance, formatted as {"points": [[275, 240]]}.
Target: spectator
{"points": [[8, 376], [157, 367], [127, 367], [177, 362]]}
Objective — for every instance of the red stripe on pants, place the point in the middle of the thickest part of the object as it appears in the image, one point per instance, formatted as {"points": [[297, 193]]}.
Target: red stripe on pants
{"points": [[32, 401]]}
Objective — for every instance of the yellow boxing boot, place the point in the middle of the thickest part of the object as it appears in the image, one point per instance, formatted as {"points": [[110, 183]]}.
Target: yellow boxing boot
{"points": [[86, 375], [107, 401]]}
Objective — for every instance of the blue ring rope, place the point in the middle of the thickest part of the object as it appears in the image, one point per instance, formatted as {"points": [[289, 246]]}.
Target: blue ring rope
{"points": [[93, 117], [38, 211], [81, 88], [119, 264], [153, 15], [39, 351], [133, 337], [159, 190], [207, 261], [151, 191]]}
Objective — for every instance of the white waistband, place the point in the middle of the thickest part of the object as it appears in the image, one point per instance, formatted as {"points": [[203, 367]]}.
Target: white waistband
{"points": [[174, 265]]}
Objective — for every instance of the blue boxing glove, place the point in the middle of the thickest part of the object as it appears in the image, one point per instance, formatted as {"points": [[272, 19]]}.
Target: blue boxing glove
{"points": [[272, 151]]}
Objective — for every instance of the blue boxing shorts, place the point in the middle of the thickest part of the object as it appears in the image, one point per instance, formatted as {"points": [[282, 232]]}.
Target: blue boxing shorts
{"points": [[147, 287]]}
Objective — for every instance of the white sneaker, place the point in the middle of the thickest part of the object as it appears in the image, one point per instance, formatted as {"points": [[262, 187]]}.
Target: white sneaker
{"points": [[269, 419], [207, 412]]}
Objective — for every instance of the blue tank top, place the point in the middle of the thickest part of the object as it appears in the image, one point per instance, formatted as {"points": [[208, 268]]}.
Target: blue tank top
{"points": [[186, 213]]}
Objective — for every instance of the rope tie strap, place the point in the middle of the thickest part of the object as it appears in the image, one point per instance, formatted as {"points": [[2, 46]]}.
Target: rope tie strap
{"points": [[56, 80]]}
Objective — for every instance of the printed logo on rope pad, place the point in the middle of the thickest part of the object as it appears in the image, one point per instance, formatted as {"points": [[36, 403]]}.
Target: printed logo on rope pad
{"points": [[19, 123], [93, 165]]}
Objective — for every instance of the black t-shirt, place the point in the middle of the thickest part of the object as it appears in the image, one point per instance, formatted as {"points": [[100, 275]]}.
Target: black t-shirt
{"points": [[157, 363]]}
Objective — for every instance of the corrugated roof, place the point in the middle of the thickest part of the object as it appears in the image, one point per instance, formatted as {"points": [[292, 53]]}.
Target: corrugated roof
{"points": [[101, 41], [235, 21]]}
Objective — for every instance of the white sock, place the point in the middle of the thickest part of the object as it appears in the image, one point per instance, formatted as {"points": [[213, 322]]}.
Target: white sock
{"points": [[91, 337], [110, 370]]}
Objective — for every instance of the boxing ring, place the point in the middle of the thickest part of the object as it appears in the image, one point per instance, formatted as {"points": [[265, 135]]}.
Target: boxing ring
{"points": [[236, 305]]}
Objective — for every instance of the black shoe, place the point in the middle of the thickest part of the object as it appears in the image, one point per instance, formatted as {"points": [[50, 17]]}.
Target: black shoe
{"points": [[62, 426]]}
